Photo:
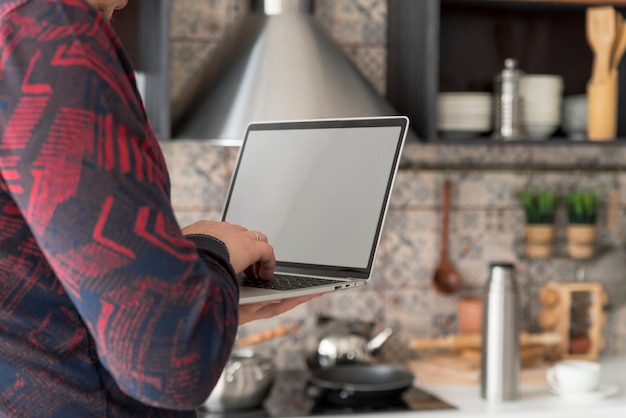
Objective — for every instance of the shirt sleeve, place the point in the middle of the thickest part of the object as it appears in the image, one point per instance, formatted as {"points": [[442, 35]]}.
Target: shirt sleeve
{"points": [[87, 174]]}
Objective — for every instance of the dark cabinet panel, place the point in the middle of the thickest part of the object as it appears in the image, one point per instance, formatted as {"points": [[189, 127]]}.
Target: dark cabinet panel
{"points": [[460, 45]]}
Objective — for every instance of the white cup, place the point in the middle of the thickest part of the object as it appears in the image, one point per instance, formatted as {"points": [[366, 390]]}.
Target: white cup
{"points": [[574, 376]]}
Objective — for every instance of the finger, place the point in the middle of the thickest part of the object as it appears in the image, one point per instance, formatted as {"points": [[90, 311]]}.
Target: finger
{"points": [[259, 236], [265, 263]]}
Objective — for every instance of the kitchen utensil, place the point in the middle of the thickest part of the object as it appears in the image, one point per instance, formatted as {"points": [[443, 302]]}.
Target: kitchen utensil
{"points": [[244, 383], [337, 349], [357, 384], [620, 42], [463, 341], [576, 311], [446, 279], [265, 335], [343, 341], [500, 354], [600, 24]]}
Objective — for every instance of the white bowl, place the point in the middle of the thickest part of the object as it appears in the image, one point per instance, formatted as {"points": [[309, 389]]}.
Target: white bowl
{"points": [[540, 131]]}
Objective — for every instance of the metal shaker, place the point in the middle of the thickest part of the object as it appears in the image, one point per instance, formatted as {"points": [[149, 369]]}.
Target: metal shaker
{"points": [[500, 360], [508, 103]]}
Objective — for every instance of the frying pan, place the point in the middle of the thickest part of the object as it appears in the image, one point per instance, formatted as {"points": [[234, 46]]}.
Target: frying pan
{"points": [[360, 383]]}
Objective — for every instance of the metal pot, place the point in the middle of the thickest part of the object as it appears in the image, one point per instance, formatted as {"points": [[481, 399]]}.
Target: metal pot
{"points": [[244, 383], [339, 342]]}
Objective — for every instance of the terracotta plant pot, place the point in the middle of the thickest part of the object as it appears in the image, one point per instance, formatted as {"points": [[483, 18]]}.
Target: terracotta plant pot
{"points": [[539, 240], [470, 315], [581, 240]]}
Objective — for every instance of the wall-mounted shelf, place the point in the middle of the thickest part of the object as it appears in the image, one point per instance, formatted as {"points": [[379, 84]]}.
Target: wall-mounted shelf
{"points": [[460, 45], [530, 156]]}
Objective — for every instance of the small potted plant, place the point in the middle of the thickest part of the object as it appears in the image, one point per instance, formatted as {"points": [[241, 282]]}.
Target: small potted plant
{"points": [[539, 208], [582, 213]]}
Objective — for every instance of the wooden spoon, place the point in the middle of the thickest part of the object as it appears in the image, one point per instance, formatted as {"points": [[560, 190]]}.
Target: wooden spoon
{"points": [[600, 24], [446, 279]]}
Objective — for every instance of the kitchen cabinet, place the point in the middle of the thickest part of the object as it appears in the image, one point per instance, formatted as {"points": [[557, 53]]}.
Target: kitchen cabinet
{"points": [[143, 28], [460, 45]]}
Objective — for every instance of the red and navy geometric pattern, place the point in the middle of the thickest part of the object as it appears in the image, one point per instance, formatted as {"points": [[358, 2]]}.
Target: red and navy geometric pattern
{"points": [[106, 310]]}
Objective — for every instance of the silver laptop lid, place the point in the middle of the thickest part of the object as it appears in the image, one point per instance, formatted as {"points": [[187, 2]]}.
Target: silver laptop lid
{"points": [[319, 189]]}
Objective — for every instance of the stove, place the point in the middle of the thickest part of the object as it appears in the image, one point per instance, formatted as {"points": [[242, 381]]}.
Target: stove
{"points": [[291, 397]]}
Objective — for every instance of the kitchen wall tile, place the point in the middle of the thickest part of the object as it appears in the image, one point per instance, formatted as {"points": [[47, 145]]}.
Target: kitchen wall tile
{"points": [[488, 189], [197, 173], [236, 10], [411, 249], [359, 303], [187, 57], [186, 218], [355, 21], [199, 19], [415, 189], [408, 313], [371, 61], [540, 272]]}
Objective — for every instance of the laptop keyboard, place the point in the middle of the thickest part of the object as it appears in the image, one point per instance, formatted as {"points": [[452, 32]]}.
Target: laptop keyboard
{"points": [[284, 282]]}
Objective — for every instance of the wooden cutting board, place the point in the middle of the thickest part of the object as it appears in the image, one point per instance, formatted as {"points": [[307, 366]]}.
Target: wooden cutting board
{"points": [[455, 369]]}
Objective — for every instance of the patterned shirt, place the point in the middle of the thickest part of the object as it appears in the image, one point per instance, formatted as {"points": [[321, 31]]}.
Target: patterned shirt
{"points": [[106, 309]]}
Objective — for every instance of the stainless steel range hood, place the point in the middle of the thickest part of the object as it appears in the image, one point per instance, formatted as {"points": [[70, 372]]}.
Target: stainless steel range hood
{"points": [[274, 67]]}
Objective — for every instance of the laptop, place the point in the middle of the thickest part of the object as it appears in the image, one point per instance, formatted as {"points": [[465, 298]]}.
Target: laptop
{"points": [[319, 189]]}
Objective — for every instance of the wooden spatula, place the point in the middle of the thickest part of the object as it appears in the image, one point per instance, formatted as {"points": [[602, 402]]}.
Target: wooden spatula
{"points": [[600, 26], [619, 46]]}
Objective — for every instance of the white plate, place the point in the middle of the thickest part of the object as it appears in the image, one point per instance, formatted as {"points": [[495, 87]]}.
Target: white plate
{"points": [[604, 391]]}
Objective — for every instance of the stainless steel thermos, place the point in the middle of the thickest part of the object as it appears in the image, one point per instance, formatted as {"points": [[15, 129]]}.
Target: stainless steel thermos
{"points": [[500, 360]]}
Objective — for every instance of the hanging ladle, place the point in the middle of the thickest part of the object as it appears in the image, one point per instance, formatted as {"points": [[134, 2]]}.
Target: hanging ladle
{"points": [[446, 279]]}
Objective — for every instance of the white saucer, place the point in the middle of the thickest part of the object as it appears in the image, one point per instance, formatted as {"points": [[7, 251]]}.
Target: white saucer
{"points": [[603, 391]]}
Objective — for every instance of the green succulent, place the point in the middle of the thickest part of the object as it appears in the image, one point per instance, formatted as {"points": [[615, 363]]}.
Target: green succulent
{"points": [[539, 206], [582, 207]]}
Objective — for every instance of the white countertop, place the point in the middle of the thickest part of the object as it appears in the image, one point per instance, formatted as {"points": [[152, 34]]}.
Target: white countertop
{"points": [[536, 401]]}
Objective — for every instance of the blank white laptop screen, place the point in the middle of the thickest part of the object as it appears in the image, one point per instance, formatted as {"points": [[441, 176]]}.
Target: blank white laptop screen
{"points": [[311, 191]]}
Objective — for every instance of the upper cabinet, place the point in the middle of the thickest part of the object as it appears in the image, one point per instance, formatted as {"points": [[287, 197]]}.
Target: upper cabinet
{"points": [[143, 27], [460, 45]]}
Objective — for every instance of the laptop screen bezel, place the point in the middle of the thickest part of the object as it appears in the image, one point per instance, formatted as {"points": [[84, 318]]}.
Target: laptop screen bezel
{"points": [[321, 269]]}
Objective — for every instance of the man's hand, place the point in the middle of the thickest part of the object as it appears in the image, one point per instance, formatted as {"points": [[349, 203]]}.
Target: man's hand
{"points": [[249, 251], [263, 310]]}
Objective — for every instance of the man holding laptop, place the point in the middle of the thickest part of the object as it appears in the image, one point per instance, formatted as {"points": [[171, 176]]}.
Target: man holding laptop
{"points": [[107, 307]]}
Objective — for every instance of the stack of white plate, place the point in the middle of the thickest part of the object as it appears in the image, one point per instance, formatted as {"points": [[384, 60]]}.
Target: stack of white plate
{"points": [[464, 114], [542, 95]]}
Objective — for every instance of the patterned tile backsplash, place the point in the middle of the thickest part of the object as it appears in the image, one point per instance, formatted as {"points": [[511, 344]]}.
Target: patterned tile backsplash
{"points": [[486, 221], [486, 225]]}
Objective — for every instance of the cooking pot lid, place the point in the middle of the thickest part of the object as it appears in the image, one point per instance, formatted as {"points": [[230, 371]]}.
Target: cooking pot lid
{"points": [[362, 377]]}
